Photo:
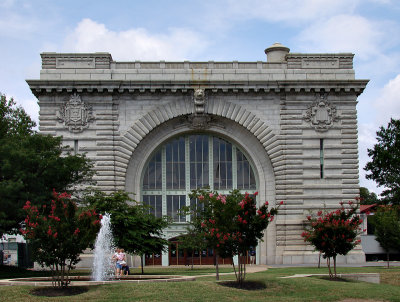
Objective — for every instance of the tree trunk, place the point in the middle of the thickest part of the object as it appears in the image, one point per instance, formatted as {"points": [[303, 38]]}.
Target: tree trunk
{"points": [[244, 267], [216, 266], [234, 269], [334, 264], [141, 263], [319, 260], [387, 259], [328, 261], [241, 269]]}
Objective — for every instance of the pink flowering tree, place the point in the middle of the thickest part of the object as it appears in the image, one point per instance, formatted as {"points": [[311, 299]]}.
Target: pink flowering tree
{"points": [[334, 233], [232, 224], [58, 233]]}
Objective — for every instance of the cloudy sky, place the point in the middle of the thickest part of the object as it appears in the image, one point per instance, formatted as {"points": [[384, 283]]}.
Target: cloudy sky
{"points": [[210, 30]]}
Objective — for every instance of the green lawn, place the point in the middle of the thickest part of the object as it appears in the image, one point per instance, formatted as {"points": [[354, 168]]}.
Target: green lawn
{"points": [[206, 289]]}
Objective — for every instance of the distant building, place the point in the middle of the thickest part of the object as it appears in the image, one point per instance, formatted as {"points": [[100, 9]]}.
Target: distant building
{"points": [[9, 245], [371, 247], [286, 128]]}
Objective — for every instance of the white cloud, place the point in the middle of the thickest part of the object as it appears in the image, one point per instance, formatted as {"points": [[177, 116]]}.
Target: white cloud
{"points": [[17, 26], [366, 140], [7, 3], [388, 104], [345, 33], [134, 44], [290, 11]]}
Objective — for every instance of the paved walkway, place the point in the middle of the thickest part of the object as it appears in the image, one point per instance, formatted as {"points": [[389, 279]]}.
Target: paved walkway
{"points": [[249, 269], [323, 264]]}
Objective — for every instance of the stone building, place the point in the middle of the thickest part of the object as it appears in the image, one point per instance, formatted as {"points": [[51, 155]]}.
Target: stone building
{"points": [[286, 127]]}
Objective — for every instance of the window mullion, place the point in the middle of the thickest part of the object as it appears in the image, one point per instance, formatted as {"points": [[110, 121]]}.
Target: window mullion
{"points": [[234, 167], [164, 180], [210, 163], [187, 172]]}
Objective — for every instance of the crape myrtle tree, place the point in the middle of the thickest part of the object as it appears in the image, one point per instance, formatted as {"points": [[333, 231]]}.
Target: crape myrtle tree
{"points": [[334, 233], [232, 224], [386, 222], [32, 165], [134, 228], [384, 167], [59, 233]]}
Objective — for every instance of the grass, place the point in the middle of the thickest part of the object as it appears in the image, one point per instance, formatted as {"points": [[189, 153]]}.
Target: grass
{"points": [[8, 272], [206, 289]]}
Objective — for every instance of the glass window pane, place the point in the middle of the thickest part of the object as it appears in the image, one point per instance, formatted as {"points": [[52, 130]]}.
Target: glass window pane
{"points": [[175, 177], [169, 174], [169, 206], [222, 164], [198, 145], [158, 206], [174, 204], [182, 176], [168, 153], [175, 207], [174, 173], [245, 174], [152, 174], [154, 203]]}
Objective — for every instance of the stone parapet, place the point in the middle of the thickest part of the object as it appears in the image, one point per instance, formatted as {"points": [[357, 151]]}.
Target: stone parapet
{"points": [[98, 60], [100, 66]]}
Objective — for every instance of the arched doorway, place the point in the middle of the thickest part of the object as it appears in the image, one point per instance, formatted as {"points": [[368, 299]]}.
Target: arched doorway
{"points": [[186, 162]]}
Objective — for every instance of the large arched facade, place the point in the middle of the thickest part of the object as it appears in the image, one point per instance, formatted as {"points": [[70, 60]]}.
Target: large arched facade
{"points": [[293, 118], [227, 130]]}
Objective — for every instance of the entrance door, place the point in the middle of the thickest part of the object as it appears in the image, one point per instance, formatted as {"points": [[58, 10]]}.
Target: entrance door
{"points": [[181, 256], [153, 259], [177, 256]]}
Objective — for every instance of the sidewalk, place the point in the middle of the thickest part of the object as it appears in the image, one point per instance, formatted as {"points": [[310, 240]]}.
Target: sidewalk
{"points": [[323, 264]]}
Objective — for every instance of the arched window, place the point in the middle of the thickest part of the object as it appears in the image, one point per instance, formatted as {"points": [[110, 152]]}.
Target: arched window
{"points": [[191, 162]]}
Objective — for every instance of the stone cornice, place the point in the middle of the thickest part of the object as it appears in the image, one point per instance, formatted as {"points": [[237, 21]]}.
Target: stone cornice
{"points": [[40, 87]]}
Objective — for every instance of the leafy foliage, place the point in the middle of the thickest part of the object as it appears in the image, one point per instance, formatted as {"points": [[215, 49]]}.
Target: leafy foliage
{"points": [[387, 229], [232, 224], [59, 233], [134, 228], [32, 165], [384, 166], [14, 121], [192, 241], [334, 233], [367, 197]]}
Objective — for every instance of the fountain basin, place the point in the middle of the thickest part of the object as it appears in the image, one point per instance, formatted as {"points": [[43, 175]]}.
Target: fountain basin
{"points": [[86, 280]]}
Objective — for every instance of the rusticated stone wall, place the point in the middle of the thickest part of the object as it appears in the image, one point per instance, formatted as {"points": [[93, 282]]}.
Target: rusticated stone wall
{"points": [[296, 118]]}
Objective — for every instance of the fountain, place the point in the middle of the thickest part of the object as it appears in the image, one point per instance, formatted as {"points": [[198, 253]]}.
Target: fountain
{"points": [[103, 266]]}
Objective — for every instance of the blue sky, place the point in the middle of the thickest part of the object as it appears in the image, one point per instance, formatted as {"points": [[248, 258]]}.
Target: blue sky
{"points": [[219, 30]]}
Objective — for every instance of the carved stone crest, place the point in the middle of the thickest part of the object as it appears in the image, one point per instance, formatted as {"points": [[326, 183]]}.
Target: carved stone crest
{"points": [[199, 122], [199, 119], [75, 114], [199, 99], [321, 114]]}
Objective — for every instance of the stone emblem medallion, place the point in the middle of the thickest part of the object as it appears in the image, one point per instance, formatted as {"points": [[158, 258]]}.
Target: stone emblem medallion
{"points": [[75, 114], [321, 114]]}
